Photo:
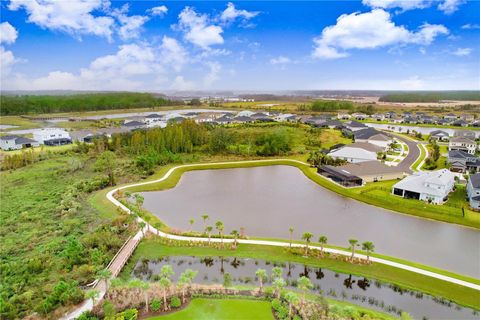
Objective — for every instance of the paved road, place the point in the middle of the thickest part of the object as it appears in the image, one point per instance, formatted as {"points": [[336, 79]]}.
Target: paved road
{"points": [[412, 156]]}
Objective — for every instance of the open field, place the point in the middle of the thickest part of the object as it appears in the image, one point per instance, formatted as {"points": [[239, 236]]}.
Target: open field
{"points": [[154, 248]]}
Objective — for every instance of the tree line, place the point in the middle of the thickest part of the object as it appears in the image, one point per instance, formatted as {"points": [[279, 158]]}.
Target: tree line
{"points": [[35, 104], [431, 96]]}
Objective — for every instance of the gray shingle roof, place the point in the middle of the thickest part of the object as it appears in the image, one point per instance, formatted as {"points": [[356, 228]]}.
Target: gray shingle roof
{"points": [[475, 180]]}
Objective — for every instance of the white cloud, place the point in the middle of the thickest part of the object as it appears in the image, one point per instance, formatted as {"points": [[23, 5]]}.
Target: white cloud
{"points": [[74, 17], [402, 4], [198, 30], [470, 26], [181, 84], [368, 31], [173, 54], [130, 26], [213, 75], [462, 52], [7, 60], [281, 60], [230, 14], [450, 6], [412, 83], [8, 34], [160, 11]]}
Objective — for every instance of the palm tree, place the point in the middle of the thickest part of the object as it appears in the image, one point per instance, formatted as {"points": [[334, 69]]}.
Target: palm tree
{"points": [[304, 284], [279, 283], [205, 217], [235, 235], [323, 241], [276, 272], [353, 243], [291, 235], [92, 294], [369, 248], [104, 275], [292, 299], [139, 199], [208, 230], [165, 274], [191, 221], [262, 277], [219, 226], [144, 286], [185, 281], [142, 225], [307, 236]]}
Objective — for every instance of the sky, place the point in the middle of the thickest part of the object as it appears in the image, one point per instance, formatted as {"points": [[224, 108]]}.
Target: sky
{"points": [[165, 46]]}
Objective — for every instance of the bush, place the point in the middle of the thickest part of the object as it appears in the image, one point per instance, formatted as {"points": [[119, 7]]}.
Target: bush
{"points": [[87, 315], [175, 302], [155, 305]]}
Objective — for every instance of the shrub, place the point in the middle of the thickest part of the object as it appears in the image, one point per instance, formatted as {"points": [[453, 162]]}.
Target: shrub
{"points": [[87, 315], [155, 305], [175, 302]]}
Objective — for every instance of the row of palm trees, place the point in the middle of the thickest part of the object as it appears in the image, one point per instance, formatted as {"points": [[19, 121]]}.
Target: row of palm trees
{"points": [[219, 226], [367, 246]]}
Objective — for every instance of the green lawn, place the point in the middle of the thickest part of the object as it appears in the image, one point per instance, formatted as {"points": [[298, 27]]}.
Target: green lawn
{"points": [[219, 309], [154, 248]]}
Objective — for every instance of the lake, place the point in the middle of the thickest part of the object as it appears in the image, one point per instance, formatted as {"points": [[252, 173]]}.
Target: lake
{"points": [[266, 201], [358, 290]]}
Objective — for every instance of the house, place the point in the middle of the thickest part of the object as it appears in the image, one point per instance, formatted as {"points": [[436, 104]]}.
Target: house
{"points": [[359, 116], [52, 136], [465, 134], [134, 124], [473, 191], [420, 115], [439, 135], [410, 119], [461, 143], [450, 117], [332, 124], [461, 161], [343, 116], [443, 122], [373, 136], [340, 176], [207, 117], [467, 117], [407, 114], [427, 119], [246, 113], [378, 116], [224, 120], [390, 114], [315, 121], [355, 126], [258, 115], [356, 152], [89, 138], [372, 171], [460, 123], [242, 119], [152, 118], [432, 187], [16, 143]]}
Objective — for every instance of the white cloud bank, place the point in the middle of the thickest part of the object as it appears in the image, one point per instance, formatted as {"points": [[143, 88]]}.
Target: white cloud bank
{"points": [[198, 29], [369, 30], [447, 6], [160, 11], [462, 52], [231, 13]]}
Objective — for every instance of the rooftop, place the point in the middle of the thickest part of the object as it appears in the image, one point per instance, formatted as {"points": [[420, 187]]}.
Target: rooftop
{"points": [[419, 180]]}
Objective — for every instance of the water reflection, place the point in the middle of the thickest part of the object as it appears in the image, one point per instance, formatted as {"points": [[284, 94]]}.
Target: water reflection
{"points": [[359, 290]]}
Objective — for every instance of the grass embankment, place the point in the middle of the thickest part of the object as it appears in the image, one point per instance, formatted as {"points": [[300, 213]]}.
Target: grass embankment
{"points": [[216, 309], [153, 249], [442, 160]]}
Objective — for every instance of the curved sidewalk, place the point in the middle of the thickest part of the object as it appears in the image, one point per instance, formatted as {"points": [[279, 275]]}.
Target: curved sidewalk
{"points": [[150, 228]]}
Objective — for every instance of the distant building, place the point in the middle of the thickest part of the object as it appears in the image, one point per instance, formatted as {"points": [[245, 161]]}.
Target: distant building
{"points": [[460, 143], [16, 143], [450, 117], [460, 123], [355, 126], [439, 135], [431, 186], [52, 136], [473, 191], [467, 117], [132, 125], [373, 136], [465, 134], [359, 116]]}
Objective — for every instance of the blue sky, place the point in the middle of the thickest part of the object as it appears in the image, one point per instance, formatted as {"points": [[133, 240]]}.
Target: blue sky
{"points": [[242, 45]]}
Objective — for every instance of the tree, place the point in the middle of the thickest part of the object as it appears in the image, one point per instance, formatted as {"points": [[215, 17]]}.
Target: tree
{"points": [[205, 217], [353, 244], [292, 299], [307, 236], [165, 274], [142, 285], [304, 284], [142, 225], [92, 294], [208, 230], [276, 272], [291, 235], [191, 222], [235, 235], [139, 199], [185, 281], [107, 162], [219, 226], [262, 277], [104, 275], [323, 241], [369, 248], [279, 284]]}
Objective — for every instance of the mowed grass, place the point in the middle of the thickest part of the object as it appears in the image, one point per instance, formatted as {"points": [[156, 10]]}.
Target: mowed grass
{"points": [[153, 249], [19, 122], [220, 309]]}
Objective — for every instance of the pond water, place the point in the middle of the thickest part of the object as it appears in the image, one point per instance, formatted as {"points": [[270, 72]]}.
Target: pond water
{"points": [[369, 293], [422, 130], [266, 201]]}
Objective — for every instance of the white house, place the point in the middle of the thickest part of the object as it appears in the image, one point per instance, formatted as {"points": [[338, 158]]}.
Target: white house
{"points": [[439, 135], [356, 152], [245, 113], [461, 143], [473, 191], [52, 136], [16, 143], [431, 186]]}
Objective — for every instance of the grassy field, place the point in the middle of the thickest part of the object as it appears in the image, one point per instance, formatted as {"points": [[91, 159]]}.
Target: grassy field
{"points": [[442, 160], [19, 122], [422, 156], [217, 309], [152, 249]]}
